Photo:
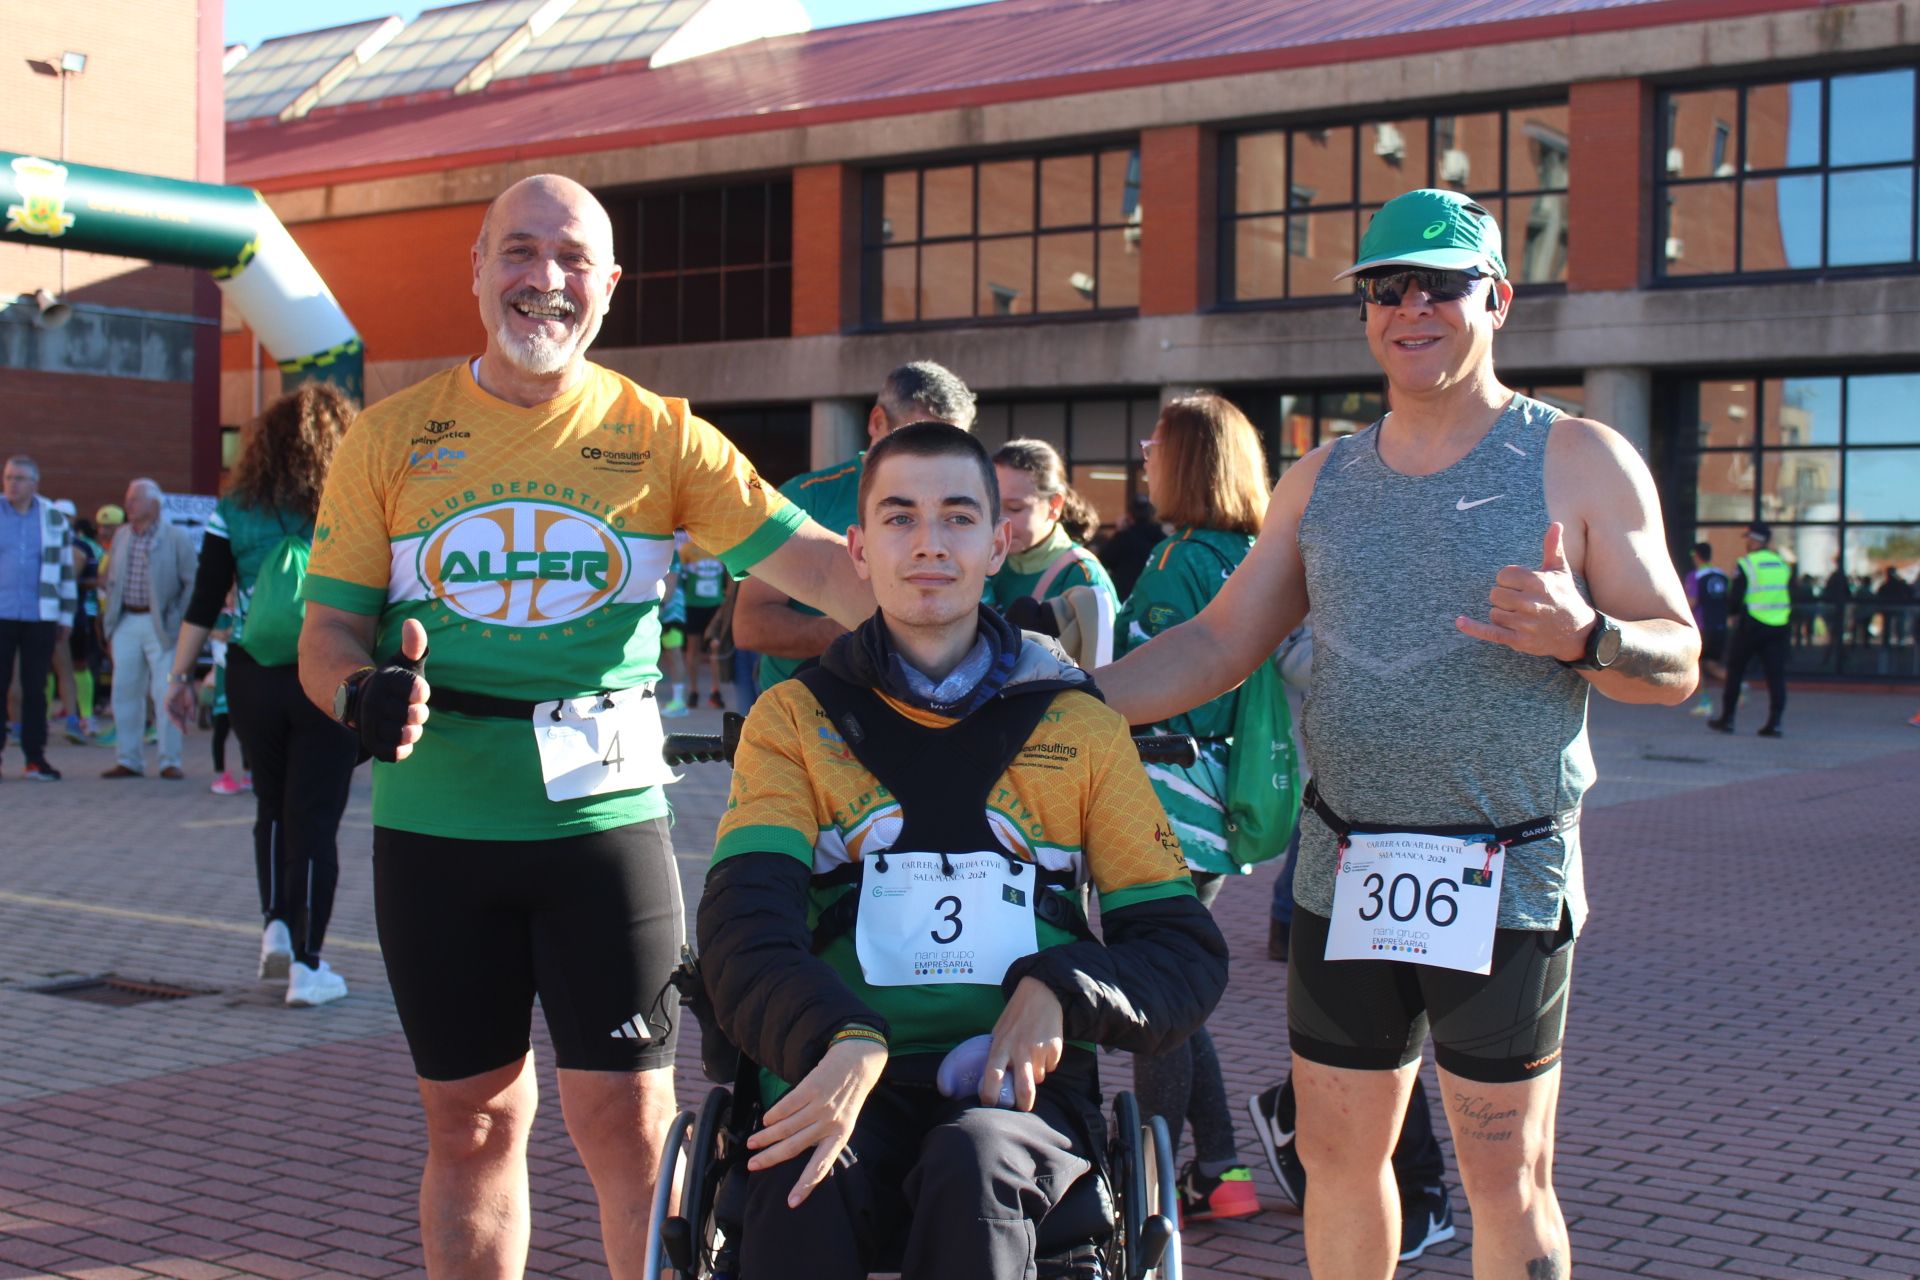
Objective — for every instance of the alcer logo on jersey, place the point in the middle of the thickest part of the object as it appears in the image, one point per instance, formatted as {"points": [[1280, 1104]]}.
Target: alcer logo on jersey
{"points": [[523, 563]]}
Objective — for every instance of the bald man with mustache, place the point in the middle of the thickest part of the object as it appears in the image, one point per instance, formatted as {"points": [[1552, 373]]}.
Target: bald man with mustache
{"points": [[515, 514]]}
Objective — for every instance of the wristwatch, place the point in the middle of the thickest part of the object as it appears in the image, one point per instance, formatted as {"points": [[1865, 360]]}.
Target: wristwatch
{"points": [[1603, 645], [178, 678], [345, 695]]}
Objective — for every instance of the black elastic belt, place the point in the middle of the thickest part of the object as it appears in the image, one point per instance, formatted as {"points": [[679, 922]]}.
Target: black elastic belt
{"points": [[465, 702], [1513, 833]]}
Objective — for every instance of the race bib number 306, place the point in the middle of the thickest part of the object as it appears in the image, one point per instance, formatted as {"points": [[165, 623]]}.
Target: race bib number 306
{"points": [[1423, 899]]}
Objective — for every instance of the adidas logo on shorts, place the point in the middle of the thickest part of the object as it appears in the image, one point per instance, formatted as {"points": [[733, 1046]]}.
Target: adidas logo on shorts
{"points": [[631, 1029]]}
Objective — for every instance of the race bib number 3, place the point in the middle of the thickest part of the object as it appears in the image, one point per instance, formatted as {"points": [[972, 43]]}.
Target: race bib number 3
{"points": [[596, 745], [920, 925], [1423, 899]]}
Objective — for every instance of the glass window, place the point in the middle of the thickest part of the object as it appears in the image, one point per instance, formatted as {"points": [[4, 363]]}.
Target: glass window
{"points": [[1010, 237], [1834, 466], [1883, 484], [1883, 408], [1800, 411], [1312, 188], [1871, 121], [705, 264], [1825, 177], [1799, 484]]}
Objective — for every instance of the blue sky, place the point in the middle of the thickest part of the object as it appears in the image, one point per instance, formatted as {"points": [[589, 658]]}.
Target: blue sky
{"points": [[252, 21]]}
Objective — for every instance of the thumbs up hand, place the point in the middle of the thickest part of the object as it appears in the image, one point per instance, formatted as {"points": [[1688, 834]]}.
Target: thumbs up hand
{"points": [[392, 706], [1538, 611]]}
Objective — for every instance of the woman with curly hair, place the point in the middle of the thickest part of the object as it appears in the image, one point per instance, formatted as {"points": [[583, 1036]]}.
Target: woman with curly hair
{"points": [[302, 761]]}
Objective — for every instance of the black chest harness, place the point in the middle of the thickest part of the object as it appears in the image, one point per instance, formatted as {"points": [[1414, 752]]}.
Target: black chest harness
{"points": [[942, 780]]}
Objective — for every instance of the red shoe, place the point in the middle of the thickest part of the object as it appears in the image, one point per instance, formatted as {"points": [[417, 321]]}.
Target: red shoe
{"points": [[1230, 1195]]}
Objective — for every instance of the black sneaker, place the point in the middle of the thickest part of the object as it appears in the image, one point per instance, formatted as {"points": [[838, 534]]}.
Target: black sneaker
{"points": [[1770, 731], [1720, 726], [1426, 1219], [1276, 1140], [41, 771]]}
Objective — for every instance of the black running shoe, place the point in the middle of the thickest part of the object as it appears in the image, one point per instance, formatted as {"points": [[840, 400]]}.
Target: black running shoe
{"points": [[1276, 1139], [1426, 1219]]}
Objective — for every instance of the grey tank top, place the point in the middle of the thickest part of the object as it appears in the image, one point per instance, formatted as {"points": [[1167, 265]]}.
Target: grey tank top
{"points": [[1408, 720]]}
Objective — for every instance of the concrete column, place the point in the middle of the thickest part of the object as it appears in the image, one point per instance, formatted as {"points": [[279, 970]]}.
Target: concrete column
{"points": [[1622, 397], [839, 430]]}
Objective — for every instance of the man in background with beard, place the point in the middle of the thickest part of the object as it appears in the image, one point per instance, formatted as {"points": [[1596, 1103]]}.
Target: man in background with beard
{"points": [[519, 511]]}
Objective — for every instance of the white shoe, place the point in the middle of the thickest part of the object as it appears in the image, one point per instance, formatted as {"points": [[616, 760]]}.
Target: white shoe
{"points": [[318, 985], [276, 949]]}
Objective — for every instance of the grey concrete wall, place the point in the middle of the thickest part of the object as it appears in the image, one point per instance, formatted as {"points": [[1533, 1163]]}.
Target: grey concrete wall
{"points": [[1547, 66], [1854, 322]]}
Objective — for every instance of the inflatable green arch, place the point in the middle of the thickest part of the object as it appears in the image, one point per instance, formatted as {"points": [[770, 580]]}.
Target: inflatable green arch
{"points": [[229, 231]]}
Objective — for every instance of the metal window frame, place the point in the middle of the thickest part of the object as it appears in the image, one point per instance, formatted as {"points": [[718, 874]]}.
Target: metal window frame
{"points": [[872, 251], [1228, 217], [1822, 168]]}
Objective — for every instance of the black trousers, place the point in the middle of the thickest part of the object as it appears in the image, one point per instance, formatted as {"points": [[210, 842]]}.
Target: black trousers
{"points": [[303, 766], [33, 643], [951, 1189], [1751, 639]]}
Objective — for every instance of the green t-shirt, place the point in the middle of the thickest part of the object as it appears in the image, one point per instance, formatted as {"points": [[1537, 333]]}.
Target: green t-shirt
{"points": [[1183, 573], [1024, 569], [831, 496], [706, 582]]}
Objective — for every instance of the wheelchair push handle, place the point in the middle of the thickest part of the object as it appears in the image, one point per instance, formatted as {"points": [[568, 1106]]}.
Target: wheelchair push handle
{"points": [[1167, 748], [705, 748]]}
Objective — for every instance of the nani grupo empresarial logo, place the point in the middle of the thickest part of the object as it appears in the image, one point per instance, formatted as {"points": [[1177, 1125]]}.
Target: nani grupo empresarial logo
{"points": [[42, 210], [524, 563]]}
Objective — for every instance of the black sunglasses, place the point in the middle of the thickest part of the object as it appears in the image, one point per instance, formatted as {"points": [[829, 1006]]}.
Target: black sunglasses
{"points": [[1386, 288]]}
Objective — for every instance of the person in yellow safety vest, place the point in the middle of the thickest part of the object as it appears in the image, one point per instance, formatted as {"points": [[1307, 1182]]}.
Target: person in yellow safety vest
{"points": [[1760, 601]]}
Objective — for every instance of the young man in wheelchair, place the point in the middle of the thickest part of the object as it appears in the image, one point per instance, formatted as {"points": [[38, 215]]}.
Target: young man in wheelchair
{"points": [[899, 870]]}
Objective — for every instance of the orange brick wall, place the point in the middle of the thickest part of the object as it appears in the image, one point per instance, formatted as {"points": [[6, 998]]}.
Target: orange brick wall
{"points": [[826, 249], [1177, 197], [1609, 196], [404, 279]]}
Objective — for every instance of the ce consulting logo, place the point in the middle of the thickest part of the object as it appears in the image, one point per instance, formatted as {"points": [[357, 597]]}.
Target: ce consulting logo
{"points": [[524, 563]]}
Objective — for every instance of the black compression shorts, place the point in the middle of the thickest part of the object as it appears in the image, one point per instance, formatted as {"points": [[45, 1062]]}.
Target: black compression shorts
{"points": [[472, 930], [1373, 1015], [698, 618]]}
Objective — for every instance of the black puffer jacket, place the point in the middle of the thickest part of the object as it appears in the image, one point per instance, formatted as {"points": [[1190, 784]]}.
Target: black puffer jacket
{"points": [[1155, 978]]}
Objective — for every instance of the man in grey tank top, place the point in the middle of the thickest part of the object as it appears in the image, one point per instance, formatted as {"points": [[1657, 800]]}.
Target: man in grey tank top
{"points": [[1475, 562]]}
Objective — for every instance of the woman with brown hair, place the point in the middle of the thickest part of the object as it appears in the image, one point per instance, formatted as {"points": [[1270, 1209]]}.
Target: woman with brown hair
{"points": [[303, 762], [1207, 475], [1051, 526]]}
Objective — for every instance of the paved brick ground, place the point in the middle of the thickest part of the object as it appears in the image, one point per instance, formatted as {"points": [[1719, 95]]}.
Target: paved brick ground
{"points": [[1742, 1094]]}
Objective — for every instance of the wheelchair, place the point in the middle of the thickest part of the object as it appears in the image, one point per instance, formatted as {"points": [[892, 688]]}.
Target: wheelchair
{"points": [[1118, 1222]]}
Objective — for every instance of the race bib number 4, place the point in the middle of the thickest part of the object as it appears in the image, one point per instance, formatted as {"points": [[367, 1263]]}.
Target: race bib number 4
{"points": [[922, 922], [600, 744], [1423, 899]]}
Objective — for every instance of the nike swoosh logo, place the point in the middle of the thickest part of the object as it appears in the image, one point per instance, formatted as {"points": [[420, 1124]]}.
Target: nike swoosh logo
{"points": [[1464, 505]]}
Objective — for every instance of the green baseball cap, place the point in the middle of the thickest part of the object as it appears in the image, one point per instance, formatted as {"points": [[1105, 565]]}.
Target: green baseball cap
{"points": [[1443, 230]]}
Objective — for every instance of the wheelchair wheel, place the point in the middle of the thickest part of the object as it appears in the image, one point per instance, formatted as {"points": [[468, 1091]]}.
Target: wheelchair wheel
{"points": [[1141, 1160], [681, 1245]]}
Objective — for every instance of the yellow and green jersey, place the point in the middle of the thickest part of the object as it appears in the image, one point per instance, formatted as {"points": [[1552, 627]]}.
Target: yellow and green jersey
{"points": [[531, 543], [1074, 800]]}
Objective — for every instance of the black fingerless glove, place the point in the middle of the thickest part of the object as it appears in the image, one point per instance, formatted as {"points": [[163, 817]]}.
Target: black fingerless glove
{"points": [[1029, 614], [380, 706]]}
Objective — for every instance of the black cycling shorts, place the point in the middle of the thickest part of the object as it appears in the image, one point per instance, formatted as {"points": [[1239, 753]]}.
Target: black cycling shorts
{"points": [[473, 930], [699, 618], [1373, 1015]]}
